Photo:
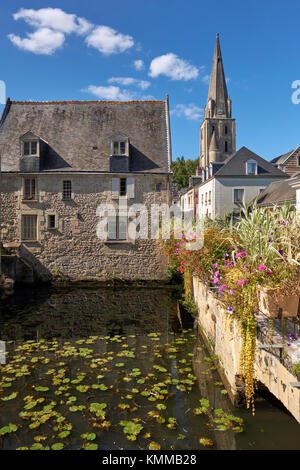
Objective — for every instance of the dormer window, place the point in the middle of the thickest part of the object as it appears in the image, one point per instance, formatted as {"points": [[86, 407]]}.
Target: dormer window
{"points": [[119, 145], [30, 145], [251, 167], [120, 148]]}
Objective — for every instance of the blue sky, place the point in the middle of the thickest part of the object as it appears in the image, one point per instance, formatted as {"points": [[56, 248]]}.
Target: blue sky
{"points": [[141, 49]]}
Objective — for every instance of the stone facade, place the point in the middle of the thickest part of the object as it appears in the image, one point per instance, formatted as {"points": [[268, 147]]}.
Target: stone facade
{"points": [[224, 339], [72, 249]]}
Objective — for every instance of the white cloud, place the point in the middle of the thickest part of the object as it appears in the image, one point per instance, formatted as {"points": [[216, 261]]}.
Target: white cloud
{"points": [[108, 41], [173, 67], [42, 41], [190, 111], [139, 64], [52, 24], [54, 18], [113, 93], [205, 79], [126, 81]]}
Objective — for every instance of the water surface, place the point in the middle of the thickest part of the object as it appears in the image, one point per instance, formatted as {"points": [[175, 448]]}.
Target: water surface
{"points": [[113, 369]]}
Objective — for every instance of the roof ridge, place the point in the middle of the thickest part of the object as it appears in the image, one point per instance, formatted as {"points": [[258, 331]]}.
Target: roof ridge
{"points": [[87, 101]]}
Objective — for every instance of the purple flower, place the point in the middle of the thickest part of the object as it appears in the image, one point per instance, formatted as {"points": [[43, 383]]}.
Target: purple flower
{"points": [[226, 255], [288, 344], [231, 291], [293, 337], [223, 286], [262, 267], [230, 309]]}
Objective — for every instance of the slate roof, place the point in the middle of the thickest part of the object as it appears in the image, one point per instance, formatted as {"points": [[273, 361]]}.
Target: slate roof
{"points": [[235, 165], [77, 134], [278, 192], [282, 158]]}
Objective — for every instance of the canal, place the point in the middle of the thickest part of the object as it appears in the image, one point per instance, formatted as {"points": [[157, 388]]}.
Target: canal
{"points": [[114, 368]]}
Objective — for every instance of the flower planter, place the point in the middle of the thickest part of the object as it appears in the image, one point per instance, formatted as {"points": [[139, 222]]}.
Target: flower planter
{"points": [[272, 307]]}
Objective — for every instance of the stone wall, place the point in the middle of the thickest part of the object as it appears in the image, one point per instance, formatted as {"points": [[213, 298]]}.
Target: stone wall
{"points": [[223, 337], [72, 248]]}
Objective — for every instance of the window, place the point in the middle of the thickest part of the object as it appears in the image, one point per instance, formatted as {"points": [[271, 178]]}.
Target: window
{"points": [[119, 147], [30, 147], [209, 197], [226, 130], [226, 146], [67, 190], [261, 190], [51, 221], [123, 187], [158, 187], [212, 129], [29, 227], [298, 161], [29, 190], [202, 199], [251, 167], [238, 195], [117, 228]]}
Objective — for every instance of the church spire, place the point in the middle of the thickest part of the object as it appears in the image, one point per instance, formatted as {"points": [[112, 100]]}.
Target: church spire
{"points": [[218, 102], [217, 131]]}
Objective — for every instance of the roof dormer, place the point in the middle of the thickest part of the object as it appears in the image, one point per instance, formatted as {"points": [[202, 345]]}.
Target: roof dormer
{"points": [[29, 152], [119, 145]]}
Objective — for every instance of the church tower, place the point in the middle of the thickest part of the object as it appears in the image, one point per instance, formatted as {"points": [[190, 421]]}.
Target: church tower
{"points": [[217, 132]]}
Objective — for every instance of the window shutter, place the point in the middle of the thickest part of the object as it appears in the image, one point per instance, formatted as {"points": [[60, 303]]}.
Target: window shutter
{"points": [[112, 228], [115, 187], [122, 228], [130, 188]]}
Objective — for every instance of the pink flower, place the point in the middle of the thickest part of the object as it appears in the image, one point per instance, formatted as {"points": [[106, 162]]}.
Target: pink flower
{"points": [[215, 280], [242, 253], [223, 286], [241, 282], [262, 267], [270, 271], [216, 273], [215, 265]]}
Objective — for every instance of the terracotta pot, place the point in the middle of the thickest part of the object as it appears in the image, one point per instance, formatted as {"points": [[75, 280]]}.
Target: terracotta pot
{"points": [[284, 306]]}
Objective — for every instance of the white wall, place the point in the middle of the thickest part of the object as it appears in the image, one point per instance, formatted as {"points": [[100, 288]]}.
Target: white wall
{"points": [[224, 191], [222, 194], [207, 208]]}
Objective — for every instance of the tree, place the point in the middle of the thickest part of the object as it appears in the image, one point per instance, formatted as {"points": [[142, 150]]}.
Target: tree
{"points": [[182, 170]]}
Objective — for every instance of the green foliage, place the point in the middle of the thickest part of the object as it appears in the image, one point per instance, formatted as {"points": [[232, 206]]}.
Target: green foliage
{"points": [[296, 369], [182, 170]]}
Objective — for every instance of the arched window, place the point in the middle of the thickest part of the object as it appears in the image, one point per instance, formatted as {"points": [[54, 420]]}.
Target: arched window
{"points": [[226, 146], [226, 130]]}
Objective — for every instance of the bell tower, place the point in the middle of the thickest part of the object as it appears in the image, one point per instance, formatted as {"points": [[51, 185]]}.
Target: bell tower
{"points": [[217, 131]]}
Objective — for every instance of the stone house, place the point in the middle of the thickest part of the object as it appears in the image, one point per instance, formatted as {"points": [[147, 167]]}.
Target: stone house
{"points": [[60, 161]]}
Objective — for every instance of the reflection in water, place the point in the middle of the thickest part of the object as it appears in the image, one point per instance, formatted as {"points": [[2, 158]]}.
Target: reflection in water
{"points": [[71, 351]]}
